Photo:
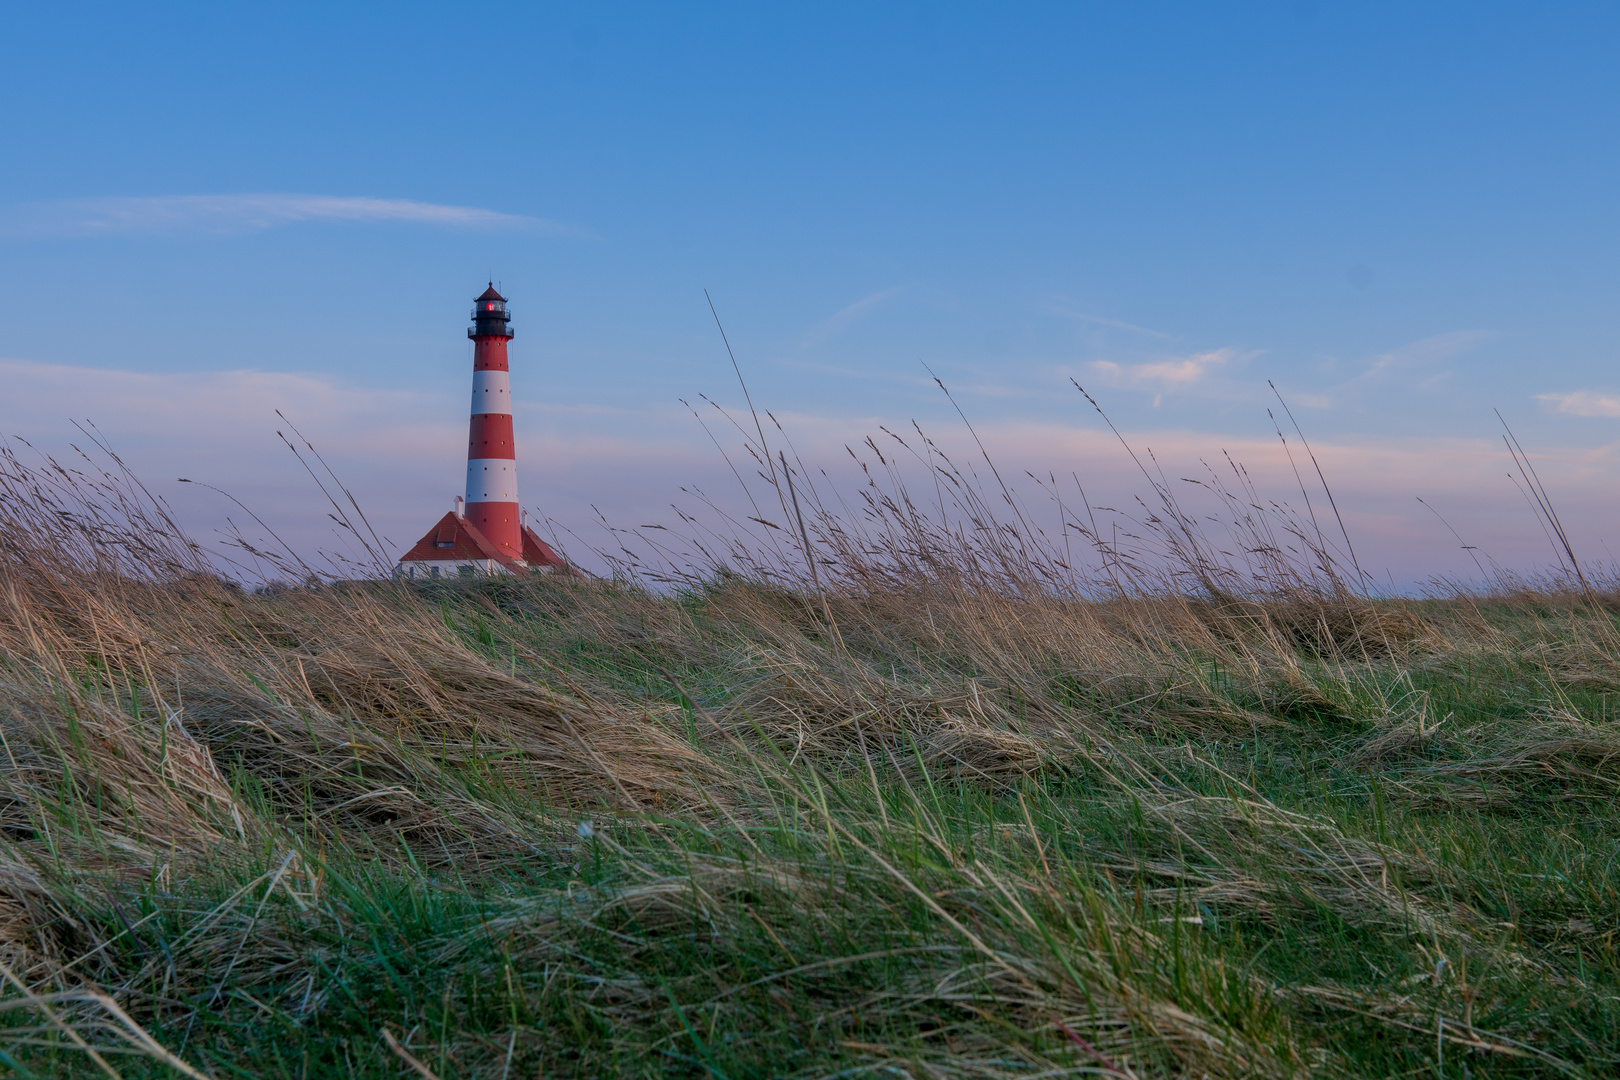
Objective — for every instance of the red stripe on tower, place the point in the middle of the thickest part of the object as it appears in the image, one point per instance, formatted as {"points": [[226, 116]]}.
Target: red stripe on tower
{"points": [[492, 497], [491, 435]]}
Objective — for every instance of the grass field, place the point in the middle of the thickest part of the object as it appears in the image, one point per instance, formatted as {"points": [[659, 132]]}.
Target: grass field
{"points": [[930, 813]]}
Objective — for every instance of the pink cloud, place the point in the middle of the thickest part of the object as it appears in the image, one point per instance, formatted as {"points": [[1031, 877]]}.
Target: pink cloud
{"points": [[401, 452], [1583, 403]]}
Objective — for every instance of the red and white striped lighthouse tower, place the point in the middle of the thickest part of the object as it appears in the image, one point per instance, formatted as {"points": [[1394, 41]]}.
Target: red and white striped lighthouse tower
{"points": [[492, 498], [489, 537]]}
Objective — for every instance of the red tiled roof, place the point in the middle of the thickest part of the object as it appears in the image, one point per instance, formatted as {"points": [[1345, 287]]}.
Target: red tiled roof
{"points": [[536, 552], [456, 538]]}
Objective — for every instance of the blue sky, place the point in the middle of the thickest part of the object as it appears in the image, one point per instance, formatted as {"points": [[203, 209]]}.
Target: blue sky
{"points": [[1402, 214]]}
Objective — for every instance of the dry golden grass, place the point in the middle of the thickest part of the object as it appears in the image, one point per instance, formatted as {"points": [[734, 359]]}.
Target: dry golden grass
{"points": [[942, 808]]}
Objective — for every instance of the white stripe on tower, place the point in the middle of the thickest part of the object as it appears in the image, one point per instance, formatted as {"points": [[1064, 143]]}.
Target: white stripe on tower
{"points": [[492, 480], [492, 392]]}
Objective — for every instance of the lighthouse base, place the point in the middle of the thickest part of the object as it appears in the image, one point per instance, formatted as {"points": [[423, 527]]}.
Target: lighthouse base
{"points": [[455, 547], [431, 569]]}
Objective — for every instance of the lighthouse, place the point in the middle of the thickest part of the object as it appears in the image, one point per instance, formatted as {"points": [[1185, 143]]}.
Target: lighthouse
{"points": [[492, 501], [485, 533]]}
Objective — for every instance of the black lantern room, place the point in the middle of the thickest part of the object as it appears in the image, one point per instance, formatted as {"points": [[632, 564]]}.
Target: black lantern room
{"points": [[489, 315]]}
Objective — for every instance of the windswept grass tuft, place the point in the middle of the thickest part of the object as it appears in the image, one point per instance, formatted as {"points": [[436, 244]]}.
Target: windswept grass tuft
{"points": [[935, 811]]}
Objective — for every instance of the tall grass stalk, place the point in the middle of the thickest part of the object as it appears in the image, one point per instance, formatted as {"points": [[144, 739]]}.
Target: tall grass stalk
{"points": [[928, 799]]}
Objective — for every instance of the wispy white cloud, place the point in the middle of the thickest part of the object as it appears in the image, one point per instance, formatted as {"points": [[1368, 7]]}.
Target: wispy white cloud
{"points": [[244, 213], [1417, 365], [1113, 324], [1173, 373], [1411, 360], [844, 317], [1583, 402]]}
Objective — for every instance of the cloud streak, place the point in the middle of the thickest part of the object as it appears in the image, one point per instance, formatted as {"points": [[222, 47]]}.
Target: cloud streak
{"points": [[1112, 324], [1175, 373], [1411, 361], [843, 318], [247, 213], [1583, 403]]}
